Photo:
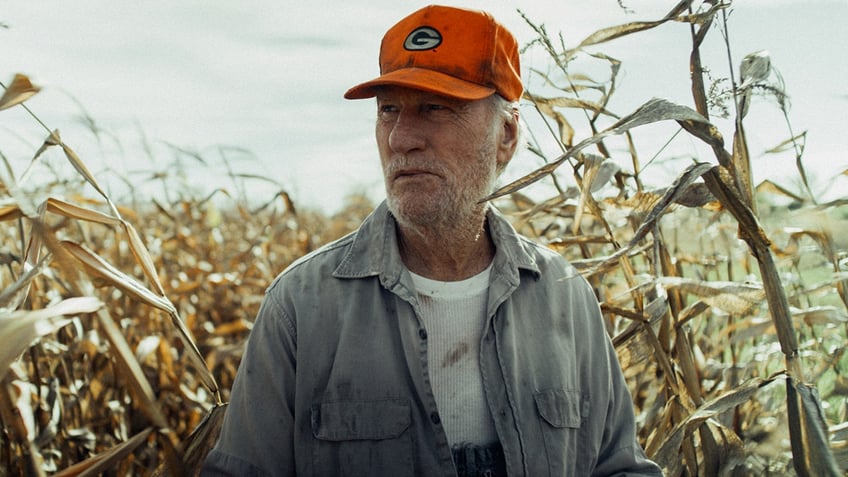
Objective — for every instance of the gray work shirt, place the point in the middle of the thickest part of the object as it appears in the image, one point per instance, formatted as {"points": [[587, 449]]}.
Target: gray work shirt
{"points": [[334, 380]]}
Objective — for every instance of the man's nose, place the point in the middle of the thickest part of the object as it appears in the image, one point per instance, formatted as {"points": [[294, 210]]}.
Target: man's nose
{"points": [[407, 133]]}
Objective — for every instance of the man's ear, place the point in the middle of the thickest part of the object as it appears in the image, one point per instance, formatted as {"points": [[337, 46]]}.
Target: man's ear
{"points": [[509, 139]]}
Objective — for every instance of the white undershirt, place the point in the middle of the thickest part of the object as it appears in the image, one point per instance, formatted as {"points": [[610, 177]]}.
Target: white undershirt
{"points": [[454, 314]]}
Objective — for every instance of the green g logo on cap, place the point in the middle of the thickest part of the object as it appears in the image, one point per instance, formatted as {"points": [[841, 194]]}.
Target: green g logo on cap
{"points": [[422, 38]]}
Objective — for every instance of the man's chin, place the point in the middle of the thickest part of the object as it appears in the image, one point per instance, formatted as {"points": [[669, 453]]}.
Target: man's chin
{"points": [[433, 214], [417, 212]]}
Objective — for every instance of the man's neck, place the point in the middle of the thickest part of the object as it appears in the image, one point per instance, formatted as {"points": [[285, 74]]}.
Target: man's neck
{"points": [[446, 254]]}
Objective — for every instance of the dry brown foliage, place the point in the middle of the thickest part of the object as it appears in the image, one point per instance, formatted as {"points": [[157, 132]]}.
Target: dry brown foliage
{"points": [[122, 329]]}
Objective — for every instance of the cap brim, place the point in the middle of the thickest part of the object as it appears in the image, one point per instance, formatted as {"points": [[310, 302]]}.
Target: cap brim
{"points": [[424, 80]]}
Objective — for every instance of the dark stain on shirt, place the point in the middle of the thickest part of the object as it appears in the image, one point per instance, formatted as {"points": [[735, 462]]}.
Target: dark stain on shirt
{"points": [[453, 356]]}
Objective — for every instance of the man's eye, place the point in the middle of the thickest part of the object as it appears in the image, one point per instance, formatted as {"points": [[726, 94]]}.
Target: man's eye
{"points": [[386, 111], [436, 107]]}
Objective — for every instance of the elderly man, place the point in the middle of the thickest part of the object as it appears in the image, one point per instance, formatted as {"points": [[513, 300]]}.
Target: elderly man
{"points": [[434, 340]]}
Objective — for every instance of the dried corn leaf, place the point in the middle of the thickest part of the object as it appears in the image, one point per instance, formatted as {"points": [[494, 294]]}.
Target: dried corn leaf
{"points": [[18, 329], [741, 160], [100, 268], [143, 257], [822, 237], [132, 373], [104, 270], [606, 34], [653, 111], [24, 201], [695, 195], [578, 82], [233, 327], [33, 260], [108, 460], [649, 224], [206, 376], [597, 172], [79, 165], [196, 357], [202, 438], [639, 203], [52, 402], [611, 33], [66, 209], [15, 294], [688, 369], [732, 297], [753, 328], [51, 140], [722, 449], [173, 456], [668, 456], [699, 94], [789, 144], [18, 419], [548, 104], [710, 135], [600, 172], [10, 212], [20, 90], [17, 408], [808, 432], [771, 187], [566, 131], [822, 315], [146, 347], [639, 341], [633, 346]]}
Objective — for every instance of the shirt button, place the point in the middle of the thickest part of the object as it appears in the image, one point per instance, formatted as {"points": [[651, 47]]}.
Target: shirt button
{"points": [[435, 418], [503, 413], [422, 333]]}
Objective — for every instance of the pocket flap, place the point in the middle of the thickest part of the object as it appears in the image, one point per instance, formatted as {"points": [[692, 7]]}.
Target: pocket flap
{"points": [[358, 420], [562, 408]]}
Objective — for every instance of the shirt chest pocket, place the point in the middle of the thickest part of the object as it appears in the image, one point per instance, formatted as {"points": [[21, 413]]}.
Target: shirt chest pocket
{"points": [[362, 437], [564, 416]]}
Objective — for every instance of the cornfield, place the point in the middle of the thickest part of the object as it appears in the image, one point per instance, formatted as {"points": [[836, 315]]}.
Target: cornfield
{"points": [[122, 327]]}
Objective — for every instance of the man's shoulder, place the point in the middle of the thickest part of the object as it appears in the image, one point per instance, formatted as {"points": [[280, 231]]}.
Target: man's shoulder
{"points": [[550, 269], [542, 254], [320, 262], [539, 249], [358, 254], [527, 253]]}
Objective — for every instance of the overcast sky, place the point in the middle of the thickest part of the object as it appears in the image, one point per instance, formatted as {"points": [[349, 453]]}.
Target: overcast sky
{"points": [[265, 80]]}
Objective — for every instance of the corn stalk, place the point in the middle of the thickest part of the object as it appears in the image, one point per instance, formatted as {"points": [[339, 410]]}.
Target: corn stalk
{"points": [[730, 184]]}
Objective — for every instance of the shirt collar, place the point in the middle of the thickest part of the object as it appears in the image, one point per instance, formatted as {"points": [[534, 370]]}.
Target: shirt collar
{"points": [[374, 249]]}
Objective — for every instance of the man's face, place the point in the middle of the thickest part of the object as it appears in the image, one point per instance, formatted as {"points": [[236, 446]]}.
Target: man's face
{"points": [[439, 155]]}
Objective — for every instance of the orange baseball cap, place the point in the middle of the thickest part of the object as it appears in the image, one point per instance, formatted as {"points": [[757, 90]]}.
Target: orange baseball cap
{"points": [[464, 54]]}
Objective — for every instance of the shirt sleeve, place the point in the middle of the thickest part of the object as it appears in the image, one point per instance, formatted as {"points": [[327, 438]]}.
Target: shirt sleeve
{"points": [[219, 464], [258, 429], [621, 454]]}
